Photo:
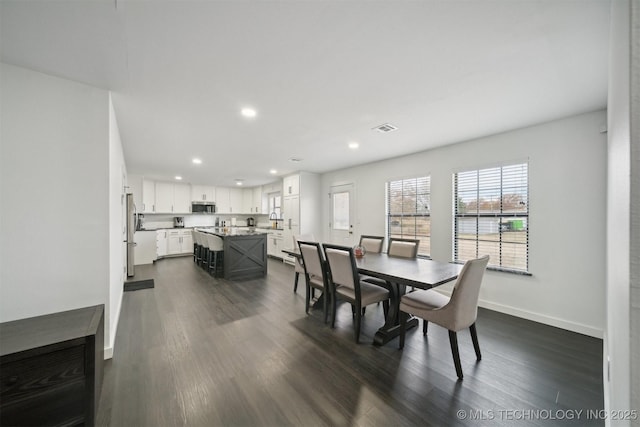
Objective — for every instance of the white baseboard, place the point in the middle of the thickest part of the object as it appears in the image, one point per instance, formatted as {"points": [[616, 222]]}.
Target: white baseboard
{"points": [[108, 349], [540, 318]]}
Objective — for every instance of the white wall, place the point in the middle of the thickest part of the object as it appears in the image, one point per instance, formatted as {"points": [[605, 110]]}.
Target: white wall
{"points": [[635, 210], [54, 185], [117, 229], [617, 372], [567, 175]]}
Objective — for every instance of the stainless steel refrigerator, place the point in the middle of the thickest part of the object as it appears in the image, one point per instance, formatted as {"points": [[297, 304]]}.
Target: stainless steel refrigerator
{"points": [[132, 219]]}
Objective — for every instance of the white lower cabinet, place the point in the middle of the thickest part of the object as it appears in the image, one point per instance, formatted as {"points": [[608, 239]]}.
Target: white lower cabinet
{"points": [[161, 243], [179, 242], [145, 249], [174, 242], [274, 244]]}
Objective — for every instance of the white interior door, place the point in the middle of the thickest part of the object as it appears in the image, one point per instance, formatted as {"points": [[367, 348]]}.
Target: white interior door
{"points": [[341, 215]]}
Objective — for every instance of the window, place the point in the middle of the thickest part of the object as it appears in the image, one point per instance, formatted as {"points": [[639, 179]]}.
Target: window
{"points": [[491, 212], [409, 211], [275, 204], [341, 211]]}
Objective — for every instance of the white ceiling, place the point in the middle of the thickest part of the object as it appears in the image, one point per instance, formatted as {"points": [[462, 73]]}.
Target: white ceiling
{"points": [[319, 73]]}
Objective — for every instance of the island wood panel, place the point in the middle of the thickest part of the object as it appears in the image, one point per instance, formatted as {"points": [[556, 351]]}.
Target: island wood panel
{"points": [[245, 256]]}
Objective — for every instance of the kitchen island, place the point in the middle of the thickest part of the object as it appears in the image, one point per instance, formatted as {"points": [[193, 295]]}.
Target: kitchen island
{"points": [[245, 252]]}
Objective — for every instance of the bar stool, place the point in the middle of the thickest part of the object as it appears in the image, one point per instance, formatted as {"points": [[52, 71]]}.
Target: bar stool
{"points": [[204, 250], [215, 257], [196, 246]]}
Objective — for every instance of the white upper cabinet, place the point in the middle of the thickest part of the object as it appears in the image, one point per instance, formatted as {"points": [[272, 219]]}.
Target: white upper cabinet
{"points": [[236, 200], [229, 200], [223, 202], [256, 205], [173, 198], [291, 185], [203, 193], [148, 196], [181, 198], [247, 200], [164, 197], [274, 187]]}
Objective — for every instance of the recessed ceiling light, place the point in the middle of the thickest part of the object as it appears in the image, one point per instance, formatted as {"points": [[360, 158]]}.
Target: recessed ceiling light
{"points": [[196, 161], [238, 182], [178, 177], [353, 145], [273, 171], [248, 112]]}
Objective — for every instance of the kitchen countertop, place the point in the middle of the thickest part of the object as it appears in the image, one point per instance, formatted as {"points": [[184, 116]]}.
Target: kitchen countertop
{"points": [[166, 228], [240, 227], [232, 231]]}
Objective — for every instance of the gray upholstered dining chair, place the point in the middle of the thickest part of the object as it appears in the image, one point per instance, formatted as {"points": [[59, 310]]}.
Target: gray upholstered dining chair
{"points": [[298, 267], [405, 248], [315, 274], [346, 285], [453, 313], [372, 244]]}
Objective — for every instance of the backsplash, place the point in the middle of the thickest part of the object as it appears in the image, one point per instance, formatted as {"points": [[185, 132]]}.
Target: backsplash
{"points": [[154, 221]]}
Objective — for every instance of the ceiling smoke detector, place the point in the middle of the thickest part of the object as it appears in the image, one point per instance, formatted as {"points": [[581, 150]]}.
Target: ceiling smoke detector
{"points": [[295, 159], [385, 128]]}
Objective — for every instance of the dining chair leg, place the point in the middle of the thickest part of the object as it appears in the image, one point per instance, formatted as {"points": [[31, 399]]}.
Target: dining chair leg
{"points": [[325, 305], [295, 282], [333, 310], [385, 308], [403, 328], [453, 340], [357, 322], [474, 338], [307, 298], [425, 327]]}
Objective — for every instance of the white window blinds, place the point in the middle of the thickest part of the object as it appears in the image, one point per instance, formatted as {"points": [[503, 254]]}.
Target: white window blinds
{"points": [[409, 211], [491, 212]]}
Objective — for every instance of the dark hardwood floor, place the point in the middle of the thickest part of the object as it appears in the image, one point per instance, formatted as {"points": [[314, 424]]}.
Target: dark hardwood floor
{"points": [[200, 351]]}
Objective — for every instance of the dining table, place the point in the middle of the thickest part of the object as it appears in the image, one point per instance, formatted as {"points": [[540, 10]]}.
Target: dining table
{"points": [[400, 273]]}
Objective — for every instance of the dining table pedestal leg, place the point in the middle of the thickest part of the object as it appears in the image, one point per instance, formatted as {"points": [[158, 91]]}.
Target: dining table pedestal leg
{"points": [[391, 327]]}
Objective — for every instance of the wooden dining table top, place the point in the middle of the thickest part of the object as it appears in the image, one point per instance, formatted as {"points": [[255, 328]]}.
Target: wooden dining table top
{"points": [[417, 272]]}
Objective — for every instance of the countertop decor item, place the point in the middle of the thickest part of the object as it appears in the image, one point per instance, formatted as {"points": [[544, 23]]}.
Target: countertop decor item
{"points": [[359, 251]]}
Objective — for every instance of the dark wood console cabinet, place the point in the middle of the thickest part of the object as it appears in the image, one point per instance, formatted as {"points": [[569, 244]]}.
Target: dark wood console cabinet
{"points": [[51, 368]]}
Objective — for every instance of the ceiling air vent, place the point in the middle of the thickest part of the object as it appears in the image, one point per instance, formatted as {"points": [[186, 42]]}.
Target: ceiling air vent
{"points": [[385, 128]]}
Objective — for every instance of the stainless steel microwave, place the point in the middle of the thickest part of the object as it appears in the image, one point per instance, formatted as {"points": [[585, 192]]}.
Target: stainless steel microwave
{"points": [[203, 207]]}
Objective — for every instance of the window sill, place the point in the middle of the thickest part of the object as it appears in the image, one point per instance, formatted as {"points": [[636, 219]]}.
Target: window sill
{"points": [[501, 269]]}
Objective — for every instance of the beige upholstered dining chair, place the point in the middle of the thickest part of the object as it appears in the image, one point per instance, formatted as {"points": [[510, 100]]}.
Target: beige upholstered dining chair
{"points": [[372, 244], [315, 274], [405, 248], [345, 284], [298, 267], [453, 313]]}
